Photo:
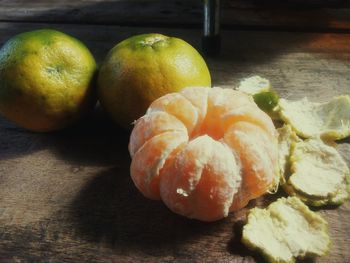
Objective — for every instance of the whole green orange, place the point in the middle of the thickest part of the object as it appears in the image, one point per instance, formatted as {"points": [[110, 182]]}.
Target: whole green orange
{"points": [[143, 68], [46, 80]]}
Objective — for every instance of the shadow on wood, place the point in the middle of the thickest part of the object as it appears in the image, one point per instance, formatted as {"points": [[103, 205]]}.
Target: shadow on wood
{"points": [[95, 140], [110, 209]]}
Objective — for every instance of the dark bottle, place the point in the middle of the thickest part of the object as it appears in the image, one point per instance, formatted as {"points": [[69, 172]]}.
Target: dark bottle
{"points": [[211, 38]]}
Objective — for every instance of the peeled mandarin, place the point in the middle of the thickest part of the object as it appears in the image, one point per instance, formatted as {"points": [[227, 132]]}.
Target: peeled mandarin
{"points": [[204, 152]]}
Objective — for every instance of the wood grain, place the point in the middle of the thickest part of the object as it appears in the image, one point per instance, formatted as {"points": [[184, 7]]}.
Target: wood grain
{"points": [[68, 197], [331, 15]]}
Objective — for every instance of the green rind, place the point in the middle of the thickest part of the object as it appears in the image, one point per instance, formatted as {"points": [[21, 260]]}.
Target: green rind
{"points": [[263, 94], [14, 67], [266, 101]]}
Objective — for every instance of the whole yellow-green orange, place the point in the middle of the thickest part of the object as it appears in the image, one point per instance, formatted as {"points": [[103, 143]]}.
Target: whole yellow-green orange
{"points": [[46, 80], [143, 68]]}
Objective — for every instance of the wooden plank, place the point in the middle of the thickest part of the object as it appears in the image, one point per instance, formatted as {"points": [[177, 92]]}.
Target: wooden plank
{"points": [[297, 15], [67, 196]]}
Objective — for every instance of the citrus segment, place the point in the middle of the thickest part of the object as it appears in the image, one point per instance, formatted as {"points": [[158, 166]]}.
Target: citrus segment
{"points": [[257, 158], [178, 106], [221, 101], [150, 158], [201, 181], [198, 96], [250, 114], [151, 125]]}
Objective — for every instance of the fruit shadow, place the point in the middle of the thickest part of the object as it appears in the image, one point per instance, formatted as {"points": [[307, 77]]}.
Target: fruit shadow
{"points": [[344, 141], [94, 140], [110, 210], [15, 141]]}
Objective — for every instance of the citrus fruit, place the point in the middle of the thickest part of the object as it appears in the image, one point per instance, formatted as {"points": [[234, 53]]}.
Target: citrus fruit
{"points": [[204, 152], [46, 80], [143, 68]]}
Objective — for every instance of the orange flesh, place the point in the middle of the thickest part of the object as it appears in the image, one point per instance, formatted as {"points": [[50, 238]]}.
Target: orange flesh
{"points": [[204, 152], [178, 106], [150, 158], [151, 125], [221, 101], [201, 181], [256, 155]]}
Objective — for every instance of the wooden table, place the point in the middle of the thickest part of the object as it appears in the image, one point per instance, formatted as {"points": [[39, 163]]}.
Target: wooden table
{"points": [[67, 196]]}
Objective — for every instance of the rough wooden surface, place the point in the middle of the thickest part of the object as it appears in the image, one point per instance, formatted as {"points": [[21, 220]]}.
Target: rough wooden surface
{"points": [[67, 196], [321, 15]]}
